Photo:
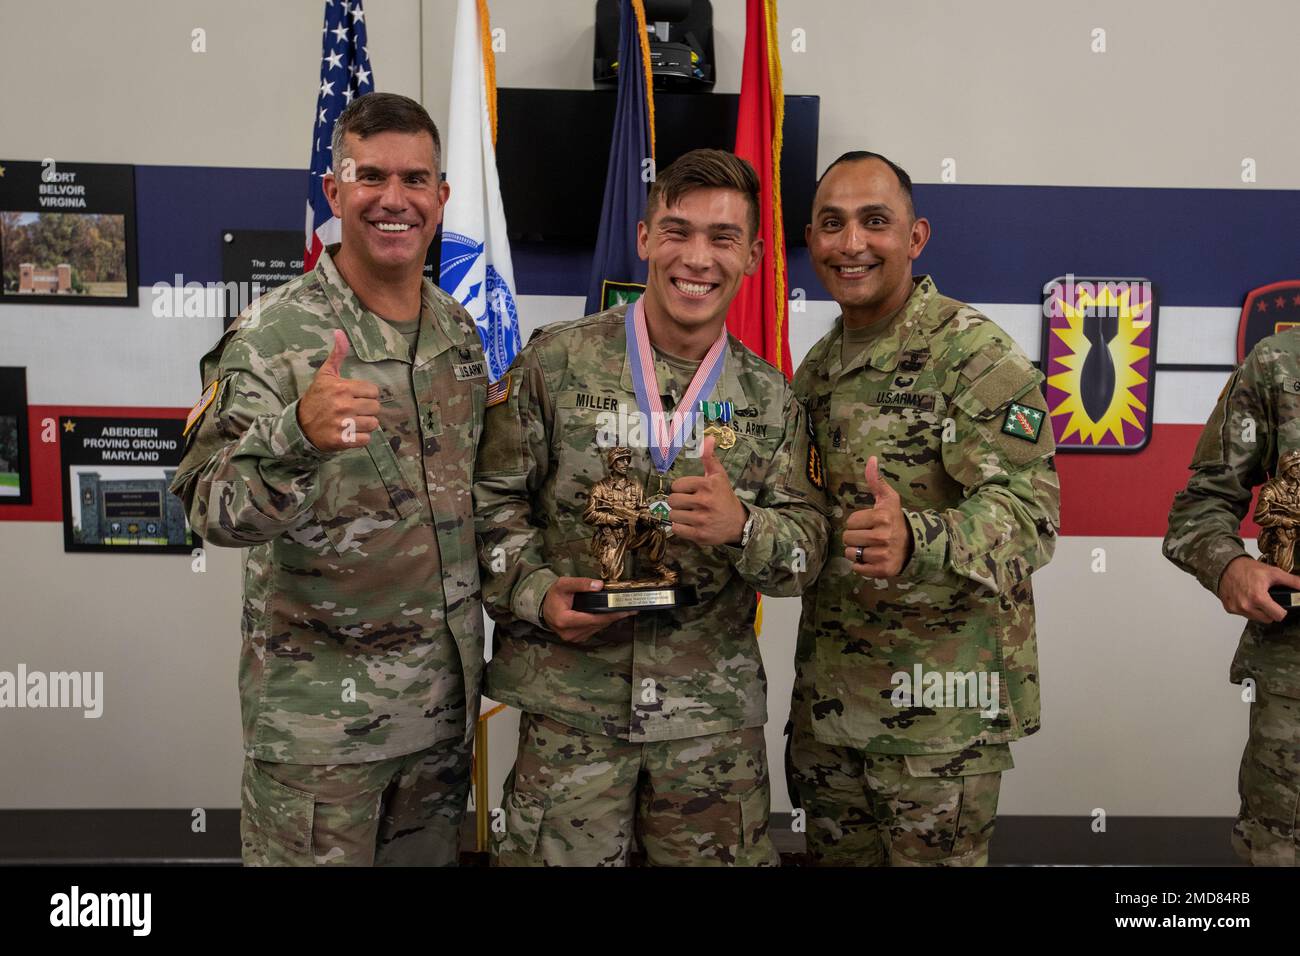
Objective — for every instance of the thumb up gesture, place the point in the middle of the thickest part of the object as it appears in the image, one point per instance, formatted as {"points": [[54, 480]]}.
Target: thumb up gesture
{"points": [[336, 412], [878, 539], [705, 509]]}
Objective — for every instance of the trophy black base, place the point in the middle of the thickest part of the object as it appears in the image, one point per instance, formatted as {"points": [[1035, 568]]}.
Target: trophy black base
{"points": [[646, 598], [1289, 598]]}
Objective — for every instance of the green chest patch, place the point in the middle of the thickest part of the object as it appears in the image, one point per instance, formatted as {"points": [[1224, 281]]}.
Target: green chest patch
{"points": [[1023, 422]]}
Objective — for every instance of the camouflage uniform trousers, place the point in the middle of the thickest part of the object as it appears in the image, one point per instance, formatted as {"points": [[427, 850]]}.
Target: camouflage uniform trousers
{"points": [[405, 811], [877, 809], [579, 799], [1267, 832]]}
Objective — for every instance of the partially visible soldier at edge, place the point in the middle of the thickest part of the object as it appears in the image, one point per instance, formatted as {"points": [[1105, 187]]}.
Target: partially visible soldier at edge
{"points": [[647, 726], [335, 440], [1252, 435], [940, 463]]}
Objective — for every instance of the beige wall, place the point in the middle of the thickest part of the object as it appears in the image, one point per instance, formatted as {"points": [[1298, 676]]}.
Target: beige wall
{"points": [[1010, 89], [1138, 716]]}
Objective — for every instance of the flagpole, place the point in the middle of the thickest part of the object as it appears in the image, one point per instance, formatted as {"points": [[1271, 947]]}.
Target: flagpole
{"points": [[476, 266]]}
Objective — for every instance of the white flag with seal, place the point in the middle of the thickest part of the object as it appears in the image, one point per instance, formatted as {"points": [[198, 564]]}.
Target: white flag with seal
{"points": [[476, 266]]}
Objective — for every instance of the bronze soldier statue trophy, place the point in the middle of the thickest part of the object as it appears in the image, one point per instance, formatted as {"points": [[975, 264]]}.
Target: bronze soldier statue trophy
{"points": [[1278, 517], [627, 523]]}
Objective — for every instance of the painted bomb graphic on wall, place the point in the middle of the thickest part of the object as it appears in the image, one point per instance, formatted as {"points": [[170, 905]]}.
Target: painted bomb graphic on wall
{"points": [[1099, 347]]}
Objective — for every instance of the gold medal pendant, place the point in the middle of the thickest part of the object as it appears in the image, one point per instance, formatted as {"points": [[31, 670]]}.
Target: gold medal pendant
{"points": [[724, 434]]}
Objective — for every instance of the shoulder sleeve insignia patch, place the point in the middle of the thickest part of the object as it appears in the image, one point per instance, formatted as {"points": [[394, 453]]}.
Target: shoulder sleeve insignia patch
{"points": [[816, 474], [816, 470], [196, 413], [1023, 422], [498, 391]]}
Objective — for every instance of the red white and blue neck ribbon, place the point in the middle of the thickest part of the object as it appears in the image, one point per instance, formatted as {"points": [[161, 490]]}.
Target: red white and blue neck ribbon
{"points": [[667, 436]]}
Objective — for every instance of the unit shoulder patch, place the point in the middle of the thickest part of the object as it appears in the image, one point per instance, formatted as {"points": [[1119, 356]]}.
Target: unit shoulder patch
{"points": [[1023, 422], [816, 471], [196, 413], [498, 391]]}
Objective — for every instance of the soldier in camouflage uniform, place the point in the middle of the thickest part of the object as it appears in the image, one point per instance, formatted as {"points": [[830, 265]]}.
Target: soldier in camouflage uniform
{"points": [[916, 662], [337, 447], [1253, 434], [645, 725]]}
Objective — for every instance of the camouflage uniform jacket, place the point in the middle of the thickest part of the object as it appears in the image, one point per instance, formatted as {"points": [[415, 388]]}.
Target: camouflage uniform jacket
{"points": [[362, 622], [1256, 422], [983, 507], [661, 675]]}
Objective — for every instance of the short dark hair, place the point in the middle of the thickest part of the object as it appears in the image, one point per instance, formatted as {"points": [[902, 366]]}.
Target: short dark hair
{"points": [[383, 113], [705, 169], [857, 155]]}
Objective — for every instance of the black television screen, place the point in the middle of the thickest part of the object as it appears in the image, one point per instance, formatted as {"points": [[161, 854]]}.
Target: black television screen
{"points": [[553, 150]]}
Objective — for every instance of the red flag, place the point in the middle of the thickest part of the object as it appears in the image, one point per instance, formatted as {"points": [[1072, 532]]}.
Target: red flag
{"points": [[758, 314]]}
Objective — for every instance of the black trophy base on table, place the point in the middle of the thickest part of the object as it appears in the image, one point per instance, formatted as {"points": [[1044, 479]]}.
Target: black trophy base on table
{"points": [[648, 597], [1289, 598]]}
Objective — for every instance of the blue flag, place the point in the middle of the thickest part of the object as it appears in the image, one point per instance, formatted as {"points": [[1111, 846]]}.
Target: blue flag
{"points": [[617, 273]]}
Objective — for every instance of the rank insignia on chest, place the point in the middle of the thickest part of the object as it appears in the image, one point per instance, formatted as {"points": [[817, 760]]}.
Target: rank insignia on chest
{"points": [[914, 360], [1023, 422]]}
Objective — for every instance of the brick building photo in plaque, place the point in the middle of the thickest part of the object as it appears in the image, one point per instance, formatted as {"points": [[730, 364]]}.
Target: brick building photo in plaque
{"points": [[67, 233], [63, 254]]}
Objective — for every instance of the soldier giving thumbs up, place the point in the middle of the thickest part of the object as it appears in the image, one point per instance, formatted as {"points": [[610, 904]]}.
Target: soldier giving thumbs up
{"points": [[878, 539], [338, 413], [705, 509]]}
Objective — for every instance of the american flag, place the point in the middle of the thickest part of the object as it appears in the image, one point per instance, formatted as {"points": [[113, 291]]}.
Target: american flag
{"points": [[344, 74]]}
